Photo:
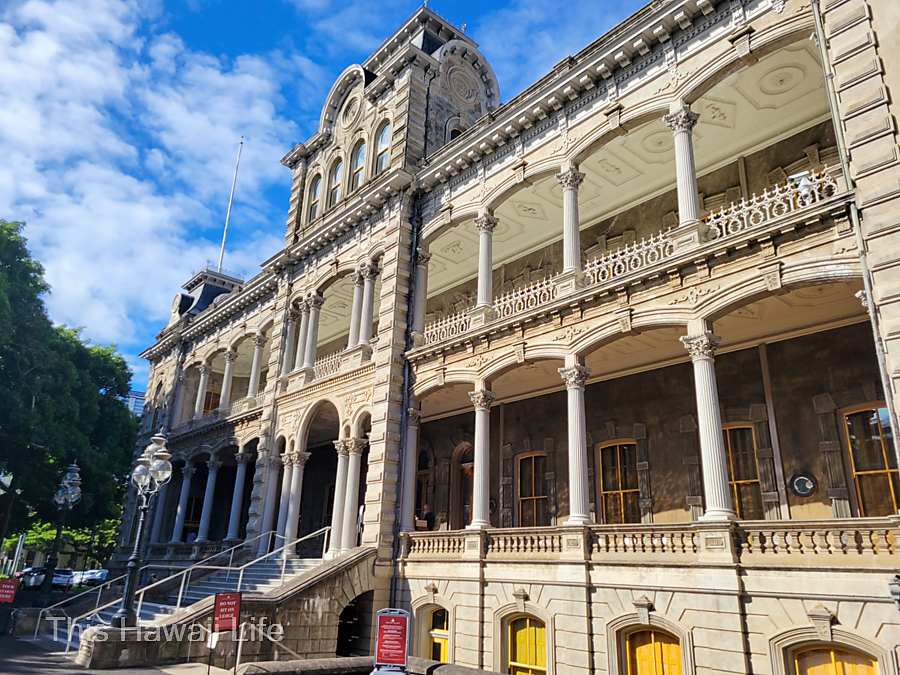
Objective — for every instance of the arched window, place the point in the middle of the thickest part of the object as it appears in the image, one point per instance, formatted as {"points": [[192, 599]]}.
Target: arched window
{"points": [[743, 471], [455, 133], [315, 189], [526, 651], [439, 636], [334, 183], [383, 148], [873, 465], [357, 165], [617, 482], [652, 652], [532, 490], [831, 661]]}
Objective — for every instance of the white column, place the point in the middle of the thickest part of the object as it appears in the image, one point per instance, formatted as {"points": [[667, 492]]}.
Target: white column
{"points": [[410, 464], [300, 353], [298, 461], [340, 488], [201, 389], [287, 461], [268, 462], [227, 378], [290, 343], [355, 447], [187, 473], [367, 313], [485, 225], [315, 302], [208, 495], [575, 376], [713, 459], [237, 497], [259, 341], [158, 511], [481, 510], [681, 121], [420, 301], [570, 178], [357, 278]]}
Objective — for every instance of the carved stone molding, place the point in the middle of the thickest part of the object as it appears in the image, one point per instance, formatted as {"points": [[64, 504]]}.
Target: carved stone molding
{"points": [[575, 376], [482, 399], [486, 223], [701, 346], [681, 120]]}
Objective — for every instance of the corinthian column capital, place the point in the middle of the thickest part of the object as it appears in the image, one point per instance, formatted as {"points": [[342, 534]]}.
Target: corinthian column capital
{"points": [[681, 120], [703, 346], [570, 178], [486, 223], [482, 399], [315, 301], [575, 376], [341, 448]]}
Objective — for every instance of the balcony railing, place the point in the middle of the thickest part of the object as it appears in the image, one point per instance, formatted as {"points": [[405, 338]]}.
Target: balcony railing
{"points": [[724, 227], [870, 543], [328, 365]]}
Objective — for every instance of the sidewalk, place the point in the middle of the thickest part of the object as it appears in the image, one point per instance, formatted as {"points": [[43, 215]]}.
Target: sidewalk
{"points": [[24, 657]]}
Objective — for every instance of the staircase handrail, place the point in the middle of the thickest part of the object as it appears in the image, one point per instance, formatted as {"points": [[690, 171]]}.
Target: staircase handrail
{"points": [[185, 578], [283, 551]]}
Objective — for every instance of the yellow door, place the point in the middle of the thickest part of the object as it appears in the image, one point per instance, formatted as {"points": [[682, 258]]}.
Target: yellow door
{"points": [[833, 662], [651, 652], [527, 647], [440, 635]]}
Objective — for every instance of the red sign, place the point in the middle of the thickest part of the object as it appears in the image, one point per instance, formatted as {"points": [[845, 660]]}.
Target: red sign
{"points": [[8, 589], [392, 642], [227, 612]]}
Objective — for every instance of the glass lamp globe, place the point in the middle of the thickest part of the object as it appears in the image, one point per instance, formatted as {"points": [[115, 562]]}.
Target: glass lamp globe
{"points": [[141, 475], [161, 469], [73, 494]]}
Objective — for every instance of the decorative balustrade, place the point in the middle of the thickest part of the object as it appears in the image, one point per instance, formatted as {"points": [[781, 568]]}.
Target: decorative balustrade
{"points": [[524, 543], [525, 299], [773, 203], [439, 544], [662, 540], [631, 258], [447, 328], [328, 365]]}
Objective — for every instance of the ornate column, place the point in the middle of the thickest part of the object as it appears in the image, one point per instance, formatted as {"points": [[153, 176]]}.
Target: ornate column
{"points": [[300, 352], [225, 397], [287, 461], [209, 494], [367, 316], [410, 463], [357, 277], [484, 311], [481, 513], [570, 179], [201, 389], [187, 472], [237, 497], [713, 459], [682, 121], [259, 341], [269, 462], [420, 301], [355, 447], [575, 376], [298, 462], [340, 489], [290, 343], [158, 513], [315, 302]]}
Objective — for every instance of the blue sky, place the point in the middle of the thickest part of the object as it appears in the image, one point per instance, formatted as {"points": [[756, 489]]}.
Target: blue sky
{"points": [[120, 121]]}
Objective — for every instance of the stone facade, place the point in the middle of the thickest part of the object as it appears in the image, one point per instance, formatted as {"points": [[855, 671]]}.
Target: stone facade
{"points": [[624, 344]]}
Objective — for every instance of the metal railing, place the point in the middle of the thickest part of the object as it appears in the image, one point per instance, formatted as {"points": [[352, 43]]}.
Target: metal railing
{"points": [[183, 578]]}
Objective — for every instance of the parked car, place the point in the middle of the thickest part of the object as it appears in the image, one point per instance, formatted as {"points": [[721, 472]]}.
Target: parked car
{"points": [[33, 577], [63, 577], [92, 577]]}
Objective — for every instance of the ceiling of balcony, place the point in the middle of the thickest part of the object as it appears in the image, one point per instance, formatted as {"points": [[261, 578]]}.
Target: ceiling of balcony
{"points": [[334, 317], [781, 94]]}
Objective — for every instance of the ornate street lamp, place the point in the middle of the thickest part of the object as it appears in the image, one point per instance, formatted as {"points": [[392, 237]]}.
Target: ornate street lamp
{"points": [[152, 470], [68, 493]]}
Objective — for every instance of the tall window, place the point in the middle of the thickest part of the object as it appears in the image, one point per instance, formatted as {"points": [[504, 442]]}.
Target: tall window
{"points": [[439, 636], [315, 189], [652, 652], [618, 483], [357, 165], [743, 471], [211, 401], [872, 463], [383, 148], [830, 661], [533, 511], [334, 183], [462, 488], [526, 647], [423, 482]]}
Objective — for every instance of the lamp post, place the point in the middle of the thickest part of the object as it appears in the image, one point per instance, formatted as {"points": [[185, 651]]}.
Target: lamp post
{"points": [[152, 470], [68, 493]]}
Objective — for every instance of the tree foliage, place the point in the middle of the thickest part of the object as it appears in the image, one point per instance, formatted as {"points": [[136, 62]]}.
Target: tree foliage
{"points": [[60, 401]]}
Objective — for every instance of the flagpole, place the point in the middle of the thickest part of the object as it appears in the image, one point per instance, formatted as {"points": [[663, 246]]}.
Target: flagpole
{"points": [[237, 163]]}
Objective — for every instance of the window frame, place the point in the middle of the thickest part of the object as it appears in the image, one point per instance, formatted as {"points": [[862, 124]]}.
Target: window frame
{"points": [[626, 667], [598, 480], [314, 197], [831, 649], [732, 483], [357, 171], [335, 182], [871, 406], [520, 665], [519, 498], [441, 636], [377, 169]]}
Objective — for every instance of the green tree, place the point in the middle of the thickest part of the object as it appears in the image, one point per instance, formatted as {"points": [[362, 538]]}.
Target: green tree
{"points": [[60, 401]]}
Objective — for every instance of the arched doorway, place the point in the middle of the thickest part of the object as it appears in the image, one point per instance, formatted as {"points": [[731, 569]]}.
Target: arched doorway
{"points": [[355, 627], [461, 486], [317, 499]]}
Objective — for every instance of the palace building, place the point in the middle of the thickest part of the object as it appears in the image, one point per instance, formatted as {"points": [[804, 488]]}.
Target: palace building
{"points": [[600, 379]]}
